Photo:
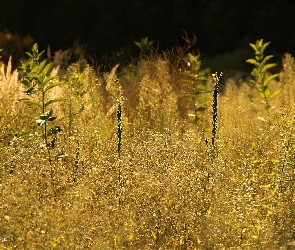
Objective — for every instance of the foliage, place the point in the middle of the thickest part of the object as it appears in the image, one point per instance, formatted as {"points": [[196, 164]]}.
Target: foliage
{"points": [[144, 45], [195, 87], [38, 84], [260, 72]]}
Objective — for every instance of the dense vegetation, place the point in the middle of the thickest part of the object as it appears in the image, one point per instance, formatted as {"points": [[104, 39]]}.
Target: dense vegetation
{"points": [[147, 156]]}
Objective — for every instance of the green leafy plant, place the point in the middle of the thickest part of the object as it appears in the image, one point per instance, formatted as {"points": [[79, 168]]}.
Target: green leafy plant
{"points": [[144, 44], [195, 85], [38, 83], [260, 72]]}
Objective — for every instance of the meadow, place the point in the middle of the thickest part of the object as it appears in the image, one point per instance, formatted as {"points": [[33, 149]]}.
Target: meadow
{"points": [[145, 156]]}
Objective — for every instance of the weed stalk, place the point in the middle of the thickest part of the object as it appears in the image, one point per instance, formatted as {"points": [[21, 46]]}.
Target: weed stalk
{"points": [[212, 147], [119, 149], [76, 164]]}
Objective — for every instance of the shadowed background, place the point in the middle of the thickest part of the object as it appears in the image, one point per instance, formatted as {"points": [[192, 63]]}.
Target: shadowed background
{"points": [[104, 26]]}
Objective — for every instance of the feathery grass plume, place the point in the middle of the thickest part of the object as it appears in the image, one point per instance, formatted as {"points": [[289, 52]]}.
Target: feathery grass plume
{"points": [[87, 127], [114, 90], [9, 81], [287, 76], [76, 90], [7, 75], [12, 119], [157, 107]]}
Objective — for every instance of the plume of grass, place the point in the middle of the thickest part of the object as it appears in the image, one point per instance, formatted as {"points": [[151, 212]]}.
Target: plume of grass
{"points": [[287, 75], [157, 101]]}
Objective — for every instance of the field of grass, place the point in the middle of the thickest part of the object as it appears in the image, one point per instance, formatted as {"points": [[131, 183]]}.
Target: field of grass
{"points": [[153, 183]]}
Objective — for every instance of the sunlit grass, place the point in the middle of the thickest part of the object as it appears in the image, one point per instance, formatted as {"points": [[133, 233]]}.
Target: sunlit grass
{"points": [[170, 194]]}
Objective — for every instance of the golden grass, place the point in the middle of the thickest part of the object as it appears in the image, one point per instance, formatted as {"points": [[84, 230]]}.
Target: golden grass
{"points": [[172, 193]]}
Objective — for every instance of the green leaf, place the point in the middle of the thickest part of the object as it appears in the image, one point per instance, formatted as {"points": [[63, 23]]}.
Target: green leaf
{"points": [[252, 61], [49, 78], [204, 99], [37, 78], [256, 73], [266, 59], [259, 43], [54, 100], [41, 66], [29, 54], [54, 130], [270, 78], [145, 41], [30, 91], [52, 85], [274, 95], [26, 83], [264, 46], [138, 45], [35, 48], [259, 57], [191, 58], [264, 91], [40, 55], [203, 89], [26, 100], [52, 118], [268, 66], [47, 68], [34, 69], [46, 115], [253, 46], [200, 109]]}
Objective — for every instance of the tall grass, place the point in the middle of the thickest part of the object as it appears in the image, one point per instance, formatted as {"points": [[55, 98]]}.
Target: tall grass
{"points": [[170, 195]]}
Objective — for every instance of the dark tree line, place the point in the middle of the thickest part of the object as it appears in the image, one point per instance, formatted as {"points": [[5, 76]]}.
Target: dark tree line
{"points": [[109, 25]]}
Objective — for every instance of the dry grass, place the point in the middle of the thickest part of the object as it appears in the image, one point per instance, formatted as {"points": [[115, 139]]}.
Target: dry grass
{"points": [[172, 193]]}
